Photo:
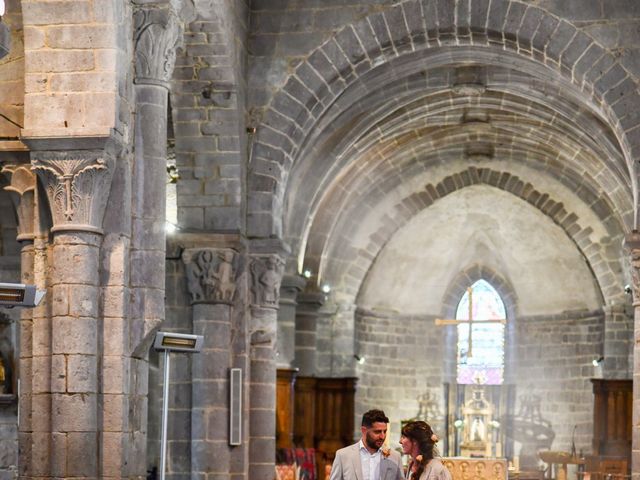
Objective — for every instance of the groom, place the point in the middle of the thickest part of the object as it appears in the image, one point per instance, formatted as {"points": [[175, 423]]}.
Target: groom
{"points": [[366, 460]]}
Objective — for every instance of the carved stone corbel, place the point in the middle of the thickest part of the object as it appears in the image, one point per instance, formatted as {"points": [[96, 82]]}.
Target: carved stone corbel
{"points": [[158, 32], [22, 190], [77, 185], [266, 276], [212, 274]]}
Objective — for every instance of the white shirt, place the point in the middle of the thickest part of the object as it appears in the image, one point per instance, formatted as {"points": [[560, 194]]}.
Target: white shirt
{"points": [[370, 463]]}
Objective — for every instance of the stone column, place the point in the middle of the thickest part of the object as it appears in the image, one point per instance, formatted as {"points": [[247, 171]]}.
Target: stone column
{"points": [[266, 276], [291, 286], [212, 276], [632, 244], [22, 186], [77, 184], [309, 304], [156, 37]]}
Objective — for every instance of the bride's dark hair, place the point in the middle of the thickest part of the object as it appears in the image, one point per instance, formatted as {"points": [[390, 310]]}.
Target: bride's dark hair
{"points": [[421, 433]]}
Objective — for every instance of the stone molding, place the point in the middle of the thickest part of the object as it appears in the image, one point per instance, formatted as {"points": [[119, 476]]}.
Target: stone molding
{"points": [[290, 288], [77, 185], [632, 244], [266, 277], [212, 274], [157, 35], [22, 186]]}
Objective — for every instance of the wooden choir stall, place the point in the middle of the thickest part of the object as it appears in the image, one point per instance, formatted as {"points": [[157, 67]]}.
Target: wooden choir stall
{"points": [[314, 418]]}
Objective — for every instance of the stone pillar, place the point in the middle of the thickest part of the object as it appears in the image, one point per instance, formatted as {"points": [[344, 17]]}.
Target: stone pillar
{"points": [[309, 304], [77, 184], [617, 342], [291, 286], [266, 276], [22, 187], [156, 37], [212, 277], [632, 244]]}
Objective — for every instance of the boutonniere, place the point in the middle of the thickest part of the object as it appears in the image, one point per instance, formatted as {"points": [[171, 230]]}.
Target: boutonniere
{"points": [[386, 451]]}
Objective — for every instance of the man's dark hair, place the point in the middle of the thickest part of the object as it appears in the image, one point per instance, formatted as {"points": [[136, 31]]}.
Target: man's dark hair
{"points": [[373, 416]]}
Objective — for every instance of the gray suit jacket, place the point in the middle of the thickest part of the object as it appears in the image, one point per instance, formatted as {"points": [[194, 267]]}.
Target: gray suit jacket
{"points": [[347, 465]]}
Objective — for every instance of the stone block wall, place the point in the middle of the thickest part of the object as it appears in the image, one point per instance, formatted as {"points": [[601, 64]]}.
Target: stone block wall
{"points": [[12, 74], [554, 361], [208, 110], [405, 357], [403, 361], [71, 67]]}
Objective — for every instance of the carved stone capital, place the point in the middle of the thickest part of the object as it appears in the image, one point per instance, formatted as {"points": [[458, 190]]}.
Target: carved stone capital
{"points": [[157, 35], [266, 276], [22, 186], [77, 185], [212, 274], [632, 244]]}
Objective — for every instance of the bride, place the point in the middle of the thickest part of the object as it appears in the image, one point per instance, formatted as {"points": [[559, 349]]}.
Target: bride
{"points": [[419, 441]]}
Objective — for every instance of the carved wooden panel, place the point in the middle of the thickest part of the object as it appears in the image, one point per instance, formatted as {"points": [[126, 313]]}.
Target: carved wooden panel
{"points": [[476, 468], [612, 417], [334, 423], [304, 412], [285, 407]]}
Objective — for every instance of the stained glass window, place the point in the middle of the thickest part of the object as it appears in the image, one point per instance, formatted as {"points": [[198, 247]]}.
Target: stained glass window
{"points": [[486, 363]]}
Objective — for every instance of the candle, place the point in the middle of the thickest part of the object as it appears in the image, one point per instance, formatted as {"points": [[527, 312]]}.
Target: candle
{"points": [[516, 463], [498, 449]]}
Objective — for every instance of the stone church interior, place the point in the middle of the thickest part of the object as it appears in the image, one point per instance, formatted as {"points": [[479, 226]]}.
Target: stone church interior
{"points": [[428, 207]]}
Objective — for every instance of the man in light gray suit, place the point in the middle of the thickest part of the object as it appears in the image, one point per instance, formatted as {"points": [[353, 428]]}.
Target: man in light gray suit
{"points": [[366, 460]]}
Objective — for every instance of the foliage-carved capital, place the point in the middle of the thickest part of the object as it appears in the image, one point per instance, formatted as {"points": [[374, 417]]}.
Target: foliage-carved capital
{"points": [[22, 186], [77, 185], [157, 35]]}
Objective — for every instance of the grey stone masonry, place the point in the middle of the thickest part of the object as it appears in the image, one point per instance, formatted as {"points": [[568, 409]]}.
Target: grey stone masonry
{"points": [[286, 343], [632, 244], [212, 280], [266, 271], [309, 304], [618, 344]]}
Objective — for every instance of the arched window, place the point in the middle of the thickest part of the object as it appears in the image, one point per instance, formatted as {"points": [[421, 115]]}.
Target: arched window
{"points": [[485, 365]]}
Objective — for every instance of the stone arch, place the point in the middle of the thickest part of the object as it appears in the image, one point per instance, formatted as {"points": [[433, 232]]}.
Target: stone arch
{"points": [[605, 270], [343, 62], [472, 274]]}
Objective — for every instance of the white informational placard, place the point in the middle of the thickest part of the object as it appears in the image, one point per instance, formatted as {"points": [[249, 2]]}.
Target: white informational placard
{"points": [[1, 7]]}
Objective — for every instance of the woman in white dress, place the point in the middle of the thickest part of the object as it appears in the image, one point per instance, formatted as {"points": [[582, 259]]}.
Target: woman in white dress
{"points": [[419, 441]]}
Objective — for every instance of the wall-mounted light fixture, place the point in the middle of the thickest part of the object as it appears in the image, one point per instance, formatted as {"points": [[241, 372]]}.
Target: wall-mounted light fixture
{"points": [[597, 361], [359, 359], [20, 295], [168, 342], [326, 288], [306, 273]]}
